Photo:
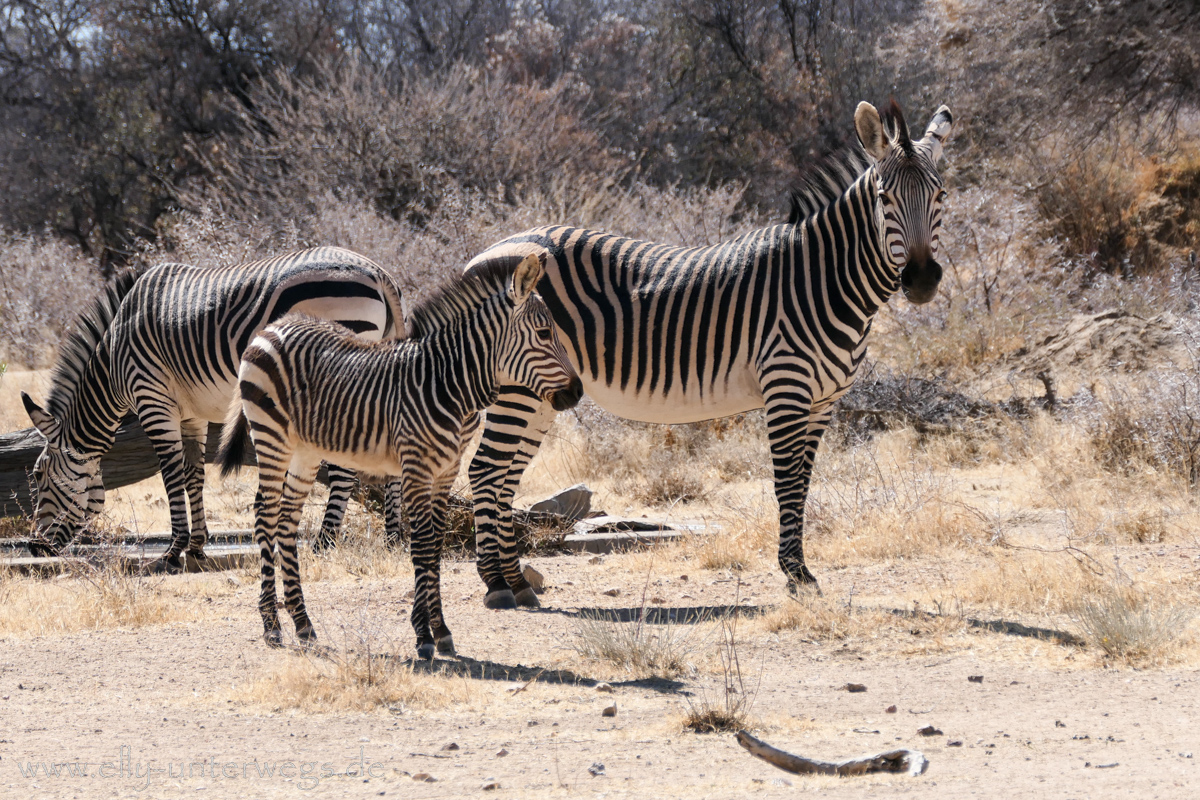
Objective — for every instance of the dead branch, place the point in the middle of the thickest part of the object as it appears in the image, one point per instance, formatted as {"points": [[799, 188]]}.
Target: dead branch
{"points": [[911, 762]]}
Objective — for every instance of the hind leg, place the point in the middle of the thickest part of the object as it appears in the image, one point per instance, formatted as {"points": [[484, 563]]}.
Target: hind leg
{"points": [[300, 476], [195, 437], [341, 488], [267, 502]]}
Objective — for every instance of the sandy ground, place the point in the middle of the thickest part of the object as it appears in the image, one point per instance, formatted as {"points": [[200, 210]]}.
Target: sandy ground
{"points": [[1045, 721]]}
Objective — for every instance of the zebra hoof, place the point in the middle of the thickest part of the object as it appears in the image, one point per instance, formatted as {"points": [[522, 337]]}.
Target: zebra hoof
{"points": [[197, 562], [307, 636], [425, 651], [528, 598], [445, 646], [168, 565], [805, 589], [500, 599], [273, 638]]}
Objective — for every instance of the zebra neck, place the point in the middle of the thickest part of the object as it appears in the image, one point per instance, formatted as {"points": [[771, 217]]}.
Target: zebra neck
{"points": [[95, 410], [859, 266], [461, 361]]}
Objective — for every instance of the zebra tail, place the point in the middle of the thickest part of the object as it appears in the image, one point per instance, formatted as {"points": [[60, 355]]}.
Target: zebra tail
{"points": [[234, 434]]}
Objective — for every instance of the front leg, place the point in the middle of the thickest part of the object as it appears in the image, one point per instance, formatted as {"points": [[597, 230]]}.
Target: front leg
{"points": [[341, 488], [417, 483], [195, 437], [513, 430], [795, 431], [164, 428]]}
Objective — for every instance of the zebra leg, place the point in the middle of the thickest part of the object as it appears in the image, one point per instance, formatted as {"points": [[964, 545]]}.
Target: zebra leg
{"points": [[513, 429], [426, 547], [341, 487], [795, 431], [195, 437], [266, 523], [163, 426], [393, 513], [300, 477], [439, 502]]}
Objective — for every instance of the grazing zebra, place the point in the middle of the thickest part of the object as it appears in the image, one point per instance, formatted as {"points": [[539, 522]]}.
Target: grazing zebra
{"points": [[165, 343], [777, 318], [308, 390]]}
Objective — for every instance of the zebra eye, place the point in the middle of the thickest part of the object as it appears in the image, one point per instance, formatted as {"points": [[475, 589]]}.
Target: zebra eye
{"points": [[543, 334], [940, 197]]}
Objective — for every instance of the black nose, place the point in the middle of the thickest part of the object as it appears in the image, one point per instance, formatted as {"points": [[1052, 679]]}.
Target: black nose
{"points": [[920, 280], [568, 397]]}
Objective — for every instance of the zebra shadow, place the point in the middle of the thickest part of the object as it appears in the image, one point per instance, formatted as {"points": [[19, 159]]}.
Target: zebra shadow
{"points": [[485, 670], [658, 615]]}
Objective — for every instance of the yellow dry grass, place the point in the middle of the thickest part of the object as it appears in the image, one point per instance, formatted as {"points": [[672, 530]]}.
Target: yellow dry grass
{"points": [[351, 681], [93, 598]]}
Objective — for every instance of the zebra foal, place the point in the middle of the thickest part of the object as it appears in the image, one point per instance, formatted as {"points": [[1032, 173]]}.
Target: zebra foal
{"points": [[777, 318], [165, 343], [308, 390]]}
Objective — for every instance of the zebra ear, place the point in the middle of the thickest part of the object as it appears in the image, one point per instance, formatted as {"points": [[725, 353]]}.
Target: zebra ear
{"points": [[938, 130], [43, 420], [526, 276], [869, 128]]}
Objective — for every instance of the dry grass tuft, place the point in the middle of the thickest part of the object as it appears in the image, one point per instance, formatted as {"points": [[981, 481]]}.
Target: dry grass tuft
{"points": [[731, 711], [640, 649], [352, 681], [1130, 628], [93, 596], [823, 618]]}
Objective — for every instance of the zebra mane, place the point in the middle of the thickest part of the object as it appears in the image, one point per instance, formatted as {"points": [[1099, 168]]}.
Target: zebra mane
{"points": [[825, 181], [458, 296], [76, 351]]}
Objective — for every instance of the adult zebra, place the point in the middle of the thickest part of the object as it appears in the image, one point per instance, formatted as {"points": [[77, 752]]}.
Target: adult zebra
{"points": [[309, 390], [777, 318], [165, 343]]}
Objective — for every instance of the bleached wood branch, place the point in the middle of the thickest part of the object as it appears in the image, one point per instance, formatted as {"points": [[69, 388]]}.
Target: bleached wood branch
{"points": [[911, 762]]}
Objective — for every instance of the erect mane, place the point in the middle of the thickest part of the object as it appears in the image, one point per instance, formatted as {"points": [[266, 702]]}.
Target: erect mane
{"points": [[458, 296], [76, 350], [825, 181]]}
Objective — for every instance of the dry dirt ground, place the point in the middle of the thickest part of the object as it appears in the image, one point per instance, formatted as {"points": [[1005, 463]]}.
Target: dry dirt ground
{"points": [[203, 694]]}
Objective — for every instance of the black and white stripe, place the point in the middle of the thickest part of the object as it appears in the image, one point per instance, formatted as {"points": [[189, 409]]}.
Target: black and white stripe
{"points": [[308, 390], [777, 318], [165, 344]]}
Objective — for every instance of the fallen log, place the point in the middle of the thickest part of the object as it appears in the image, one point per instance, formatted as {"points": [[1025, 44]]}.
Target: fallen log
{"points": [[911, 762]]}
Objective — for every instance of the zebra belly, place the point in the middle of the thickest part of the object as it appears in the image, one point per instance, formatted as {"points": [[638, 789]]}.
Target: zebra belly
{"points": [[372, 464], [739, 395]]}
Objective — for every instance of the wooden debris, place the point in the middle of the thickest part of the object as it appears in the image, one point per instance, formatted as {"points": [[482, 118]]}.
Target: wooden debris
{"points": [[910, 762]]}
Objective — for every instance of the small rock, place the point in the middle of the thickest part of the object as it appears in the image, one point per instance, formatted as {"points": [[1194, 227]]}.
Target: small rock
{"points": [[854, 687], [573, 503], [1108, 766], [658, 600], [425, 777], [1058, 723], [501, 753], [781, 782], [975, 678], [490, 784], [532, 723], [890, 710], [683, 578], [611, 592], [929, 730], [596, 769], [596, 560], [535, 578], [609, 711], [1185, 755], [410, 594], [954, 743], [604, 687], [451, 746]]}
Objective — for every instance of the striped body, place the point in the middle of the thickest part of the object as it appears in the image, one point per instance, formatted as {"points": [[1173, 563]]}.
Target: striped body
{"points": [[166, 344], [308, 390], [775, 319]]}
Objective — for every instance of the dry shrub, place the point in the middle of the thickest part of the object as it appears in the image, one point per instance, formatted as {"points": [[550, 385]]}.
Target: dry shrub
{"points": [[1130, 627], [44, 284], [1121, 207], [740, 538], [731, 711]]}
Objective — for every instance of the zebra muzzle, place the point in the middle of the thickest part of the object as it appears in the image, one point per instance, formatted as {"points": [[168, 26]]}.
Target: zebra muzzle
{"points": [[563, 399]]}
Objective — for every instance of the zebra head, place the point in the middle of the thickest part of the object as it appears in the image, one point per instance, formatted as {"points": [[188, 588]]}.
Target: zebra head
{"points": [[910, 193], [70, 488], [531, 354]]}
